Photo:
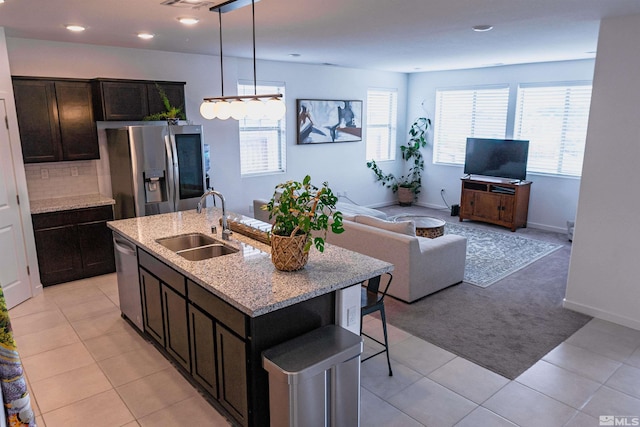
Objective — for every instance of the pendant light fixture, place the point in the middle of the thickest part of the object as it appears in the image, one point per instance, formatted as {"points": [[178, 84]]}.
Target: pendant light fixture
{"points": [[239, 107]]}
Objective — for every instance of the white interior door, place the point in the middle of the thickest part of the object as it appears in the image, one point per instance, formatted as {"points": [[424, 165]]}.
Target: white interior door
{"points": [[13, 259]]}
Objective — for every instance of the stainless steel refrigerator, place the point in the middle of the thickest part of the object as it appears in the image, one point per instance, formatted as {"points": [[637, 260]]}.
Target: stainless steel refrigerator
{"points": [[155, 169]]}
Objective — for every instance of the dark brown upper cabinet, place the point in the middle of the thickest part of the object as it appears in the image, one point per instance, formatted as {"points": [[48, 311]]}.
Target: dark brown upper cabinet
{"points": [[133, 100], [56, 120]]}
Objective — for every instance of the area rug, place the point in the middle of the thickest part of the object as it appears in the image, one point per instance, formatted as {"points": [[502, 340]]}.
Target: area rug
{"points": [[506, 327], [492, 256]]}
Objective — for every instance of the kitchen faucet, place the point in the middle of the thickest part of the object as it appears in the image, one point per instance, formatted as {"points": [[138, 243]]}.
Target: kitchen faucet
{"points": [[226, 232]]}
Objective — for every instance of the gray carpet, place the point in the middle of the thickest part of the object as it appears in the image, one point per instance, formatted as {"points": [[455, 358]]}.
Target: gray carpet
{"points": [[506, 327]]}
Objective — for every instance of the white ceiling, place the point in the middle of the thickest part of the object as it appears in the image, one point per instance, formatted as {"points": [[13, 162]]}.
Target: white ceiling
{"points": [[392, 35]]}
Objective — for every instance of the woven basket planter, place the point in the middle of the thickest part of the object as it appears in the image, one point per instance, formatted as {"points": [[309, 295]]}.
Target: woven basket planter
{"points": [[405, 196], [287, 253]]}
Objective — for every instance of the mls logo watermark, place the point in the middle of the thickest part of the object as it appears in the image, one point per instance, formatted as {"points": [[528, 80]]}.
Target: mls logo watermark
{"points": [[613, 420]]}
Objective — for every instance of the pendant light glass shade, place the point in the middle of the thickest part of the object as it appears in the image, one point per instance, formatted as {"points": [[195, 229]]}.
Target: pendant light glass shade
{"points": [[223, 110], [275, 109], [208, 110], [255, 109], [238, 109]]}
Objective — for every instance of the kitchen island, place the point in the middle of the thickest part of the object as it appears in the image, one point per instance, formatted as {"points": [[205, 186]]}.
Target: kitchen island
{"points": [[214, 317]]}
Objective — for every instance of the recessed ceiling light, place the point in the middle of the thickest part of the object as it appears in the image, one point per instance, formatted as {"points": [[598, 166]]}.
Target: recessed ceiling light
{"points": [[188, 21], [75, 28], [145, 36], [482, 28]]}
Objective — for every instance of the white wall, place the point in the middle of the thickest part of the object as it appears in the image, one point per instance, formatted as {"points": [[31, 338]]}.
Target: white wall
{"points": [[343, 165], [553, 200], [603, 274]]}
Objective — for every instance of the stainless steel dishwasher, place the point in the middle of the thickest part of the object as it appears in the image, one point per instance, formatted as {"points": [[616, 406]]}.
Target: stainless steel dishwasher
{"points": [[128, 282]]}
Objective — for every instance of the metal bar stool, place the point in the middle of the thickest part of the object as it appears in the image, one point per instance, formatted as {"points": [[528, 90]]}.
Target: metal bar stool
{"points": [[372, 300]]}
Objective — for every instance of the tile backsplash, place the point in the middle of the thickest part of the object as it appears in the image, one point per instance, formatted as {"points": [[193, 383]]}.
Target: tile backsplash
{"points": [[61, 179]]}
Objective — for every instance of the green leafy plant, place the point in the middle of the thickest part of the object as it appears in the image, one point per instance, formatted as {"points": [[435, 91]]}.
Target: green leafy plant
{"points": [[302, 208], [170, 112], [410, 153]]}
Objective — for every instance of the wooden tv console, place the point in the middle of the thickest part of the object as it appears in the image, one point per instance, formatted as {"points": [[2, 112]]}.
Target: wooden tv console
{"points": [[500, 202]]}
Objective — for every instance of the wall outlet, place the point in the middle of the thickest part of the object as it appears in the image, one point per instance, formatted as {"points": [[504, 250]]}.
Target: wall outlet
{"points": [[44, 173], [74, 171]]}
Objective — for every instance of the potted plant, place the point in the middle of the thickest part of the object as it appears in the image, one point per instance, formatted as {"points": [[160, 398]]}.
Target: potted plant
{"points": [[171, 114], [299, 210], [408, 185]]}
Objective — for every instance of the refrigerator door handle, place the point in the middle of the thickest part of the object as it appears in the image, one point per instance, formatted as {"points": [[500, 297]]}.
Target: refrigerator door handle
{"points": [[176, 170], [171, 187]]}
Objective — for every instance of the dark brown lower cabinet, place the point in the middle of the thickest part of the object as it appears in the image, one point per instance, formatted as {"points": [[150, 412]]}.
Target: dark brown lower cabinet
{"points": [[152, 306], [203, 350], [164, 307], [73, 244], [58, 254], [176, 339], [232, 372], [216, 345]]}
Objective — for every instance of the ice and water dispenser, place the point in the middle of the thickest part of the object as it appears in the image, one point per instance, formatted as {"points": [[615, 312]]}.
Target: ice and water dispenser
{"points": [[155, 186]]}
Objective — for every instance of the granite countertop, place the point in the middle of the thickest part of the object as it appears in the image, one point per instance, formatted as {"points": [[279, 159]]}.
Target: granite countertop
{"points": [[247, 279], [69, 203]]}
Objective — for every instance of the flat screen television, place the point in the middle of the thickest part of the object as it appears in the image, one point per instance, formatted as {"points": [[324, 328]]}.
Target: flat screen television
{"points": [[502, 158]]}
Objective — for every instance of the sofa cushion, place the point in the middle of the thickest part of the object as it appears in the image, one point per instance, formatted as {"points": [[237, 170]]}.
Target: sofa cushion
{"points": [[404, 227]]}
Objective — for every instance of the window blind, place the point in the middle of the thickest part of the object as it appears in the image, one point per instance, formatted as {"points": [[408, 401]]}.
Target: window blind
{"points": [[382, 117], [554, 119], [462, 113], [262, 142]]}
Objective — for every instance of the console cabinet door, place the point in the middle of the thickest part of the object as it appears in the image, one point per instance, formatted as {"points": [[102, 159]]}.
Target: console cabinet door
{"points": [[176, 326], [232, 370], [152, 306], [487, 205], [507, 207], [203, 350]]}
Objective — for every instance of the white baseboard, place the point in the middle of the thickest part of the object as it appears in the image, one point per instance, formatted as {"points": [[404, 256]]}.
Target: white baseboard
{"points": [[601, 314]]}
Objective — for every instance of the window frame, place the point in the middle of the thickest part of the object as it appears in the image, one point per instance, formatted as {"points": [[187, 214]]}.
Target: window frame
{"points": [[563, 152], [455, 150], [391, 126], [246, 87]]}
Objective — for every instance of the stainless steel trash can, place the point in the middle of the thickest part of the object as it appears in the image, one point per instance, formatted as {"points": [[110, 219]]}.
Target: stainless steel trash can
{"points": [[314, 379]]}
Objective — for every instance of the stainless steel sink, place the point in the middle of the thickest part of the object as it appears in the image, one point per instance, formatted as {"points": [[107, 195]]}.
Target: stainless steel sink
{"points": [[196, 246], [186, 241], [206, 252]]}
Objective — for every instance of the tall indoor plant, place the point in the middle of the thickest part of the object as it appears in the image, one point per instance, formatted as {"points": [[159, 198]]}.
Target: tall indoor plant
{"points": [[408, 185], [299, 211]]}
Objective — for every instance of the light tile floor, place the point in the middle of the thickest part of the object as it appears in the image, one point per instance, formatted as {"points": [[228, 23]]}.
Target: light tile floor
{"points": [[85, 366]]}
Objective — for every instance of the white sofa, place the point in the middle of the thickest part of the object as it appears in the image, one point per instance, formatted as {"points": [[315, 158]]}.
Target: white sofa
{"points": [[422, 266]]}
